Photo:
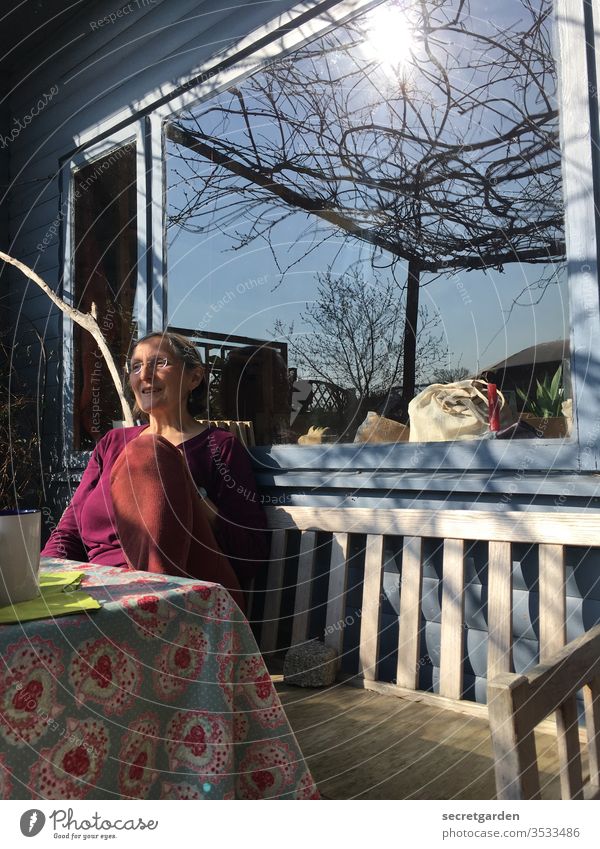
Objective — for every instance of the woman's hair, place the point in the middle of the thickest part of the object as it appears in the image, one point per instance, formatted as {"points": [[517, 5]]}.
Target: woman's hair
{"points": [[187, 353]]}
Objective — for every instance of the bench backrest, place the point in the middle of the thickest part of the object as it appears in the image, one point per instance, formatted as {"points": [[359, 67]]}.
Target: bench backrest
{"points": [[243, 431], [550, 531]]}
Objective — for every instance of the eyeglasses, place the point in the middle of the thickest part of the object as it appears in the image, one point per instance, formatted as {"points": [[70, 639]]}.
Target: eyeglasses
{"points": [[136, 366]]}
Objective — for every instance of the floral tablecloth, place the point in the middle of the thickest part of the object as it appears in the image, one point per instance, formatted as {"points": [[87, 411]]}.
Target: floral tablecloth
{"points": [[161, 694]]}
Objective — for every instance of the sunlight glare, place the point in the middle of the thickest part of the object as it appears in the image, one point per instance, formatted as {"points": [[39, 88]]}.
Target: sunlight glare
{"points": [[389, 37]]}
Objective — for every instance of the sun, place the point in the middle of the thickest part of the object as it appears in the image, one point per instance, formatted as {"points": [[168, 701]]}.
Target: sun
{"points": [[389, 37]]}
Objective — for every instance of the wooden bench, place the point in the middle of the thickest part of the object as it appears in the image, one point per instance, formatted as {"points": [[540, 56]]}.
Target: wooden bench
{"points": [[550, 532]]}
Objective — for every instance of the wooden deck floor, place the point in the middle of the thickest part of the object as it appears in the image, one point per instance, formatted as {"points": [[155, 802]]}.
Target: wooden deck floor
{"points": [[363, 745]]}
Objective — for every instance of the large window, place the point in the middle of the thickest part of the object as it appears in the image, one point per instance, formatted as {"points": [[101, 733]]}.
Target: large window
{"points": [[104, 274], [379, 211]]}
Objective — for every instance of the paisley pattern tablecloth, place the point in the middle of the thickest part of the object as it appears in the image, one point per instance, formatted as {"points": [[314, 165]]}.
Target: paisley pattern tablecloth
{"points": [[161, 694]]}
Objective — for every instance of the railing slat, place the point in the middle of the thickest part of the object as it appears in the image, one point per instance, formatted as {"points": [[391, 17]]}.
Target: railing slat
{"points": [[336, 596], [552, 599], [273, 591], [306, 561], [569, 753], [371, 607], [407, 673], [452, 631], [553, 630], [515, 757], [499, 603], [591, 700]]}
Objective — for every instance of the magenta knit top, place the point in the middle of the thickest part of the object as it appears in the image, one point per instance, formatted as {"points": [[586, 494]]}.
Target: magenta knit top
{"points": [[217, 462]]}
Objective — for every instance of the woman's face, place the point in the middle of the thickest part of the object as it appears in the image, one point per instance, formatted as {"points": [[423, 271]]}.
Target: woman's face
{"points": [[160, 381]]}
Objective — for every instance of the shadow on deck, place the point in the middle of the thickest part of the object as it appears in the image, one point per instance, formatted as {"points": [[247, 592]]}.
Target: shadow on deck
{"points": [[359, 744]]}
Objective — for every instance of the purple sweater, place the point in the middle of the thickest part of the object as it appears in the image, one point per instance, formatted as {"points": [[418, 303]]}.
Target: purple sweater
{"points": [[217, 462]]}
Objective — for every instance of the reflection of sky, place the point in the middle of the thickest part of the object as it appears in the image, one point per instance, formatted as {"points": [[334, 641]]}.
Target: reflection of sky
{"points": [[216, 288]]}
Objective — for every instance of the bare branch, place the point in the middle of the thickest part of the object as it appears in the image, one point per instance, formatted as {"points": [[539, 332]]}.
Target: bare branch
{"points": [[85, 320]]}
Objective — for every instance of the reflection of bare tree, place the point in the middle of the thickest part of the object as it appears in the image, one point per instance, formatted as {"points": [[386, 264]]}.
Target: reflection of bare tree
{"points": [[452, 165], [349, 336], [450, 375]]}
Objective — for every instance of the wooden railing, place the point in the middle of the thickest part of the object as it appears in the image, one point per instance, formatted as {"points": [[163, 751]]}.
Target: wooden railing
{"points": [[517, 702], [549, 531]]}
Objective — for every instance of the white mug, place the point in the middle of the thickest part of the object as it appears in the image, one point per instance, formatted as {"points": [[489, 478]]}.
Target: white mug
{"points": [[20, 535]]}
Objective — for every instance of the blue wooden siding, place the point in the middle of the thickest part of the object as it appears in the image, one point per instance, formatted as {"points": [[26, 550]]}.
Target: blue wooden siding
{"points": [[4, 170]]}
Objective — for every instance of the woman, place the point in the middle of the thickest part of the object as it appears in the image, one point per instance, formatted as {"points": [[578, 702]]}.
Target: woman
{"points": [[173, 496]]}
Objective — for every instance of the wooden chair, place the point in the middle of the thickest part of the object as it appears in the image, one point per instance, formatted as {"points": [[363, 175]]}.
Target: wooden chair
{"points": [[518, 703]]}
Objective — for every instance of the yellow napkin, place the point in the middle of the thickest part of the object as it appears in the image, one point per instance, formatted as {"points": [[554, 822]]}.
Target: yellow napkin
{"points": [[58, 598], [50, 581]]}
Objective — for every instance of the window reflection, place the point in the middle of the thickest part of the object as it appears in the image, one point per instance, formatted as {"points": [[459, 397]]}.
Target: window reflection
{"points": [[393, 220], [104, 267]]}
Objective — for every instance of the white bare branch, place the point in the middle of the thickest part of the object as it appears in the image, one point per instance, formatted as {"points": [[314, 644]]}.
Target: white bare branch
{"points": [[85, 320]]}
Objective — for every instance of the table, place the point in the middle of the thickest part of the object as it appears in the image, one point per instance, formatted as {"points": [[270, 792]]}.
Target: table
{"points": [[161, 694]]}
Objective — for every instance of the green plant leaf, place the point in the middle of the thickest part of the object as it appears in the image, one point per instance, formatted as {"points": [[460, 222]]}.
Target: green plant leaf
{"points": [[549, 394], [555, 386]]}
